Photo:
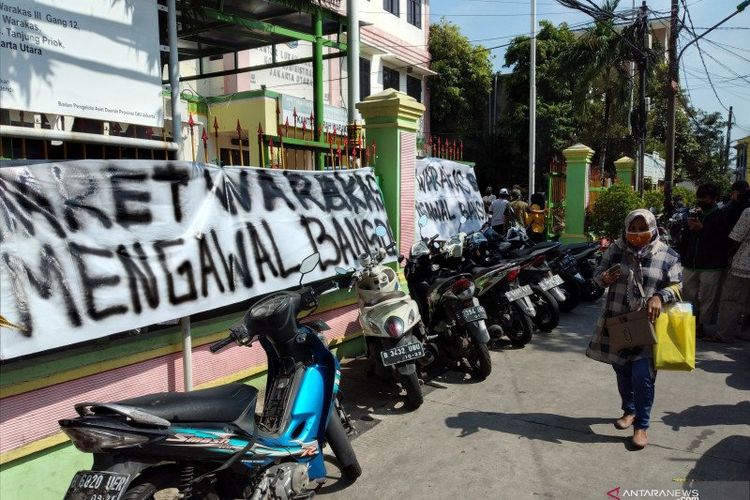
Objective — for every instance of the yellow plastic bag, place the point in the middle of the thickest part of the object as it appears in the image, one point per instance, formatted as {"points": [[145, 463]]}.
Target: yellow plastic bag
{"points": [[675, 339]]}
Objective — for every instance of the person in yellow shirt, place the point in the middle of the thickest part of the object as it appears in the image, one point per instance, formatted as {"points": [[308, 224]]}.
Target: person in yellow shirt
{"points": [[535, 218]]}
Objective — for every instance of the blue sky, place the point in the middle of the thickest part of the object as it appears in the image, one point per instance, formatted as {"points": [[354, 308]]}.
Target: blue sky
{"points": [[726, 53]]}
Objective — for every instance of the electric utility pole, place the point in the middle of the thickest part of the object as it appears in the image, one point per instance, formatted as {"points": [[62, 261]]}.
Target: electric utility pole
{"points": [[642, 112], [532, 103], [729, 139], [672, 86], [673, 79]]}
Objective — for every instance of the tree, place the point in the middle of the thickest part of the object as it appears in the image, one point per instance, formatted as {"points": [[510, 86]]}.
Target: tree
{"points": [[599, 58], [608, 213], [557, 120], [459, 91], [699, 136]]}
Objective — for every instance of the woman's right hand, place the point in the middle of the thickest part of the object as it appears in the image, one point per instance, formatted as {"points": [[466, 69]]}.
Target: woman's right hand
{"points": [[609, 278]]}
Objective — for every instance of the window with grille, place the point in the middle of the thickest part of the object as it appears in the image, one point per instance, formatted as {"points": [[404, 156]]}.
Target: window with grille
{"points": [[391, 6], [414, 12], [390, 79], [414, 87]]}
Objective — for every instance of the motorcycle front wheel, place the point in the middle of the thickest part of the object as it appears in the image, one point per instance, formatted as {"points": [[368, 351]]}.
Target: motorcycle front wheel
{"points": [[591, 292], [480, 361], [547, 310], [339, 442], [413, 390], [572, 296], [519, 329]]}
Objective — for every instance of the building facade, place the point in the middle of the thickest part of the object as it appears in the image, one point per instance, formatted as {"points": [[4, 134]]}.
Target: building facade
{"points": [[36, 392]]}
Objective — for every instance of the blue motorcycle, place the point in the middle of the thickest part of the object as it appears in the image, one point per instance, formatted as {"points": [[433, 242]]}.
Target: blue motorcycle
{"points": [[209, 444]]}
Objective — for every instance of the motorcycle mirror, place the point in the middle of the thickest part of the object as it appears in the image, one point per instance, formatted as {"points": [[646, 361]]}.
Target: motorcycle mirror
{"points": [[308, 264], [423, 221], [462, 220], [341, 270], [381, 231]]}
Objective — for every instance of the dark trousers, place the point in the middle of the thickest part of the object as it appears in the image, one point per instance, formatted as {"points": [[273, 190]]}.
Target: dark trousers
{"points": [[636, 381]]}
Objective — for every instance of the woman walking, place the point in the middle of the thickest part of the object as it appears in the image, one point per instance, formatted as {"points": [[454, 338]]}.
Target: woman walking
{"points": [[648, 275]]}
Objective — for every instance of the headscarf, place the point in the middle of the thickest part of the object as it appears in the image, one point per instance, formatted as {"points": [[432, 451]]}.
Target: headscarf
{"points": [[635, 278], [651, 222]]}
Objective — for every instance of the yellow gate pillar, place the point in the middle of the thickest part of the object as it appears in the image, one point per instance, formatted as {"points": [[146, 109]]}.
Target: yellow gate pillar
{"points": [[625, 167], [578, 160]]}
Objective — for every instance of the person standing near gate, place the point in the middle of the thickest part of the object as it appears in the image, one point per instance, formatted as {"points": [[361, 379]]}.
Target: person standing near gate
{"points": [[487, 200], [703, 251], [519, 207], [736, 287], [498, 210], [535, 218]]}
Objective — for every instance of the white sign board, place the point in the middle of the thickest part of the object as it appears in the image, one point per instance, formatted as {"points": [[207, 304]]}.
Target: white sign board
{"points": [[91, 248], [445, 191], [85, 58], [334, 118]]}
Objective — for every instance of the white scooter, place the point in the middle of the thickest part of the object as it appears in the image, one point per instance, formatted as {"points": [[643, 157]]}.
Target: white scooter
{"points": [[389, 318]]}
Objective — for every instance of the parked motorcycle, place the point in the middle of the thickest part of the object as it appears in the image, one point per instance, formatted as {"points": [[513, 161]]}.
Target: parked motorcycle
{"points": [[509, 304], [453, 317], [207, 443], [561, 262], [587, 255], [389, 319], [546, 286]]}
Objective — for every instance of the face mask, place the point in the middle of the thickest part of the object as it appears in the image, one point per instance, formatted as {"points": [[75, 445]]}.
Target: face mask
{"points": [[639, 239]]}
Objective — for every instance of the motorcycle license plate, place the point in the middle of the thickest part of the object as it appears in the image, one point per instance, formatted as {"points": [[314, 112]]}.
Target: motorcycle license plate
{"points": [[401, 354], [97, 485], [518, 293], [473, 314], [551, 282]]}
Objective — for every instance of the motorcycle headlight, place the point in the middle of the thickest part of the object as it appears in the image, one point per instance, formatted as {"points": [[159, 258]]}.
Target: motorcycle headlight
{"points": [[92, 440], [394, 326]]}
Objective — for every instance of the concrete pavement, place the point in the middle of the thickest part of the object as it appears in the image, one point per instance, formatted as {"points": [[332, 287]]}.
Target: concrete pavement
{"points": [[541, 427]]}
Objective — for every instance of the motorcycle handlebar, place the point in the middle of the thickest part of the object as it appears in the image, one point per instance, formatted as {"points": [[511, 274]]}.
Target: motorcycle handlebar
{"points": [[217, 346]]}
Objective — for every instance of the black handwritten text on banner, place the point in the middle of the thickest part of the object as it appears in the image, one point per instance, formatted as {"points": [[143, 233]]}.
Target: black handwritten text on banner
{"points": [[92, 248], [445, 191]]}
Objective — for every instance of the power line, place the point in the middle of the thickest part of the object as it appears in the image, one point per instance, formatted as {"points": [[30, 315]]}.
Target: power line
{"points": [[733, 72], [723, 47], [700, 52]]}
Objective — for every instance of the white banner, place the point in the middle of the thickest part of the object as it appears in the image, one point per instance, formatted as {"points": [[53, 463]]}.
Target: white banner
{"points": [[445, 191], [85, 58], [91, 248]]}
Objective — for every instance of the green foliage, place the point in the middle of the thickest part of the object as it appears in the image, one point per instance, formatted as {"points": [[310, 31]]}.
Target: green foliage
{"points": [[688, 195], [607, 216], [459, 91], [653, 199], [557, 120]]}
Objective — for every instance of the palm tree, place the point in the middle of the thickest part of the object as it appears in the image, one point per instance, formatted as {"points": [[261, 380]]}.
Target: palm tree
{"points": [[599, 57]]}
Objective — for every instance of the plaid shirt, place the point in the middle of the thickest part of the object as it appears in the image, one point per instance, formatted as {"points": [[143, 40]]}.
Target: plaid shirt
{"points": [[662, 274]]}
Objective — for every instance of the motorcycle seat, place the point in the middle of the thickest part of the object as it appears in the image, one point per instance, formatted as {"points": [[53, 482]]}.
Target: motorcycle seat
{"points": [[395, 294], [577, 248], [439, 284], [503, 264], [229, 403]]}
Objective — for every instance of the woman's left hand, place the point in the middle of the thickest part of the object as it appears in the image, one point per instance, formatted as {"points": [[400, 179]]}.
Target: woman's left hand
{"points": [[654, 308]]}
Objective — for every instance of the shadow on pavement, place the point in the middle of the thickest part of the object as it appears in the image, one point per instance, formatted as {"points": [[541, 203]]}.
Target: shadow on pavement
{"points": [[704, 416], [727, 460], [541, 426], [737, 366]]}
